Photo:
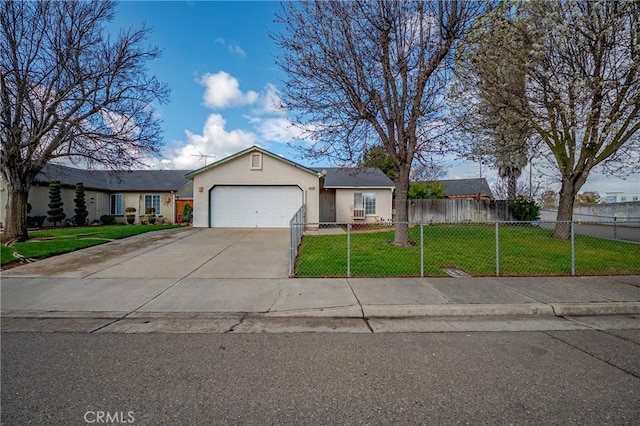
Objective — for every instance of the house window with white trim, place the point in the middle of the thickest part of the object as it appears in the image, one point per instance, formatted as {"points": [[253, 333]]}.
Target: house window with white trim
{"points": [[365, 201], [115, 204], [152, 201]]}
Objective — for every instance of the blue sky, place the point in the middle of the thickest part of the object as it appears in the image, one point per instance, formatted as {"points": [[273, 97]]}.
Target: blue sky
{"points": [[218, 61]]}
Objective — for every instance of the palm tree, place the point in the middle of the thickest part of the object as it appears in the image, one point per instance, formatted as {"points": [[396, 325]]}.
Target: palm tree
{"points": [[510, 163]]}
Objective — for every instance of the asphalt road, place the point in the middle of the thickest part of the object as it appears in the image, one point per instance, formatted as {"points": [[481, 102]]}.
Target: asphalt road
{"points": [[623, 231], [550, 377]]}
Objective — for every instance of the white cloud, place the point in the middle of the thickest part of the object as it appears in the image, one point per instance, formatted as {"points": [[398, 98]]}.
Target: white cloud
{"points": [[278, 129], [215, 142], [232, 47], [270, 102], [223, 90]]}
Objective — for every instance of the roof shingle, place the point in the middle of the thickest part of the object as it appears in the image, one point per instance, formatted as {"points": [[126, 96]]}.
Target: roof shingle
{"points": [[370, 177], [119, 180]]}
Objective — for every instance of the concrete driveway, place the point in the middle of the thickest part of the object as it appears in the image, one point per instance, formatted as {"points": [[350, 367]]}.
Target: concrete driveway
{"points": [[174, 254]]}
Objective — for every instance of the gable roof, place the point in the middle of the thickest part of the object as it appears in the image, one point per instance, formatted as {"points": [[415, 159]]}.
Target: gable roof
{"points": [[370, 177], [246, 151], [459, 187], [118, 180]]}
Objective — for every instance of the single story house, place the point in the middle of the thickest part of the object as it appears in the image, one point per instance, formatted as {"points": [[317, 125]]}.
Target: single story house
{"points": [[471, 189], [110, 192], [252, 188], [256, 188]]}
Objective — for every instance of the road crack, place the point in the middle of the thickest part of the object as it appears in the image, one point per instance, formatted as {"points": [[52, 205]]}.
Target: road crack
{"points": [[233, 327], [561, 340]]}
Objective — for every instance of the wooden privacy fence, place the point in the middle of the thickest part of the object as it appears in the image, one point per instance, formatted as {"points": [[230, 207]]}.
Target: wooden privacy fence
{"points": [[457, 210]]}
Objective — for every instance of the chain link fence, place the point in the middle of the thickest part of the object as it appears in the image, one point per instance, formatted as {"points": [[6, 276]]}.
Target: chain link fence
{"points": [[501, 248], [296, 231]]}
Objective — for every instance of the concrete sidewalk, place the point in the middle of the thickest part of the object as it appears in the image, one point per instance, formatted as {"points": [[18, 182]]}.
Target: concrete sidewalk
{"points": [[69, 297]]}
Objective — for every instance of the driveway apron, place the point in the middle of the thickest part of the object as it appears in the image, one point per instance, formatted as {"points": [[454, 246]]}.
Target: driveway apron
{"points": [[187, 269], [193, 253]]}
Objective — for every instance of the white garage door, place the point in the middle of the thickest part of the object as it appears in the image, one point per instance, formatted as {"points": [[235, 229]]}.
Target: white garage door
{"points": [[254, 206]]}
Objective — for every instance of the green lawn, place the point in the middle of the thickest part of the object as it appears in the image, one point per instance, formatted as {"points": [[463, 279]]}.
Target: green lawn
{"points": [[57, 241], [524, 250]]}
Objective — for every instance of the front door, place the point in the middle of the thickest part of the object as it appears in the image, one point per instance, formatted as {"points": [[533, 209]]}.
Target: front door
{"points": [[327, 206]]}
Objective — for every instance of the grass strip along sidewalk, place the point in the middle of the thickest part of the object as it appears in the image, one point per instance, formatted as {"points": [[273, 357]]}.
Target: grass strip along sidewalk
{"points": [[523, 250], [48, 243]]}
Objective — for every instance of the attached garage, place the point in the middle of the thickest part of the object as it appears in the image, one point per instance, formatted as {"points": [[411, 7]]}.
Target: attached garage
{"points": [[253, 188], [249, 206]]}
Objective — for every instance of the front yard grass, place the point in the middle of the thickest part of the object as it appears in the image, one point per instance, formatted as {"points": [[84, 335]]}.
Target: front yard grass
{"points": [[57, 241], [524, 250]]}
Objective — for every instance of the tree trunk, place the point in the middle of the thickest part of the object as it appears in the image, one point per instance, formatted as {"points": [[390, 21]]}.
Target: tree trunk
{"points": [[15, 227], [565, 207], [511, 187], [402, 207]]}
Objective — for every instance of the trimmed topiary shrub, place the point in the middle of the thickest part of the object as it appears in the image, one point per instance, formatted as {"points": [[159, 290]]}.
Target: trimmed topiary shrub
{"points": [[187, 213], [56, 212], [80, 218]]}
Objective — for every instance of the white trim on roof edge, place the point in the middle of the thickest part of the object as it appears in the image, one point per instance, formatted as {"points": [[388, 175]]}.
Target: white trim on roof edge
{"points": [[246, 151]]}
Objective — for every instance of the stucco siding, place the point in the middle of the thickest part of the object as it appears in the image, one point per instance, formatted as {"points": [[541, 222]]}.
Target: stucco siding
{"points": [[344, 204], [97, 202], [238, 172]]}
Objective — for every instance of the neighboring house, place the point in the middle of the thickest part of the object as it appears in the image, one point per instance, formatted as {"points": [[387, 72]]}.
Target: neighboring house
{"points": [[620, 197], [256, 188], [356, 194], [110, 192], [472, 189]]}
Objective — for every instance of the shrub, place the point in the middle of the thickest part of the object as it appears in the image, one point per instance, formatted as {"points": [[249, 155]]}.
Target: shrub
{"points": [[56, 211], [108, 219], [426, 191], [187, 214], [81, 208], [35, 221], [131, 217], [524, 209]]}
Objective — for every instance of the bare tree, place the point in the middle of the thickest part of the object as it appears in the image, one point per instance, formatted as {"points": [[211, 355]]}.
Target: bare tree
{"points": [[371, 73], [67, 90], [581, 96], [502, 189], [432, 170]]}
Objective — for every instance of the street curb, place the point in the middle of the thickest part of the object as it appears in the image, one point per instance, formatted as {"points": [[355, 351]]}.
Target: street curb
{"points": [[448, 310], [64, 314], [553, 309], [369, 311], [596, 308]]}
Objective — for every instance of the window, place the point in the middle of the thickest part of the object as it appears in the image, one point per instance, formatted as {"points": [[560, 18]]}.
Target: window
{"points": [[115, 204], [365, 201], [369, 203], [256, 161], [152, 201]]}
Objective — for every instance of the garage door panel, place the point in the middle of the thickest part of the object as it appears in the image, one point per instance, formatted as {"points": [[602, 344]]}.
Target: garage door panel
{"points": [[254, 206]]}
